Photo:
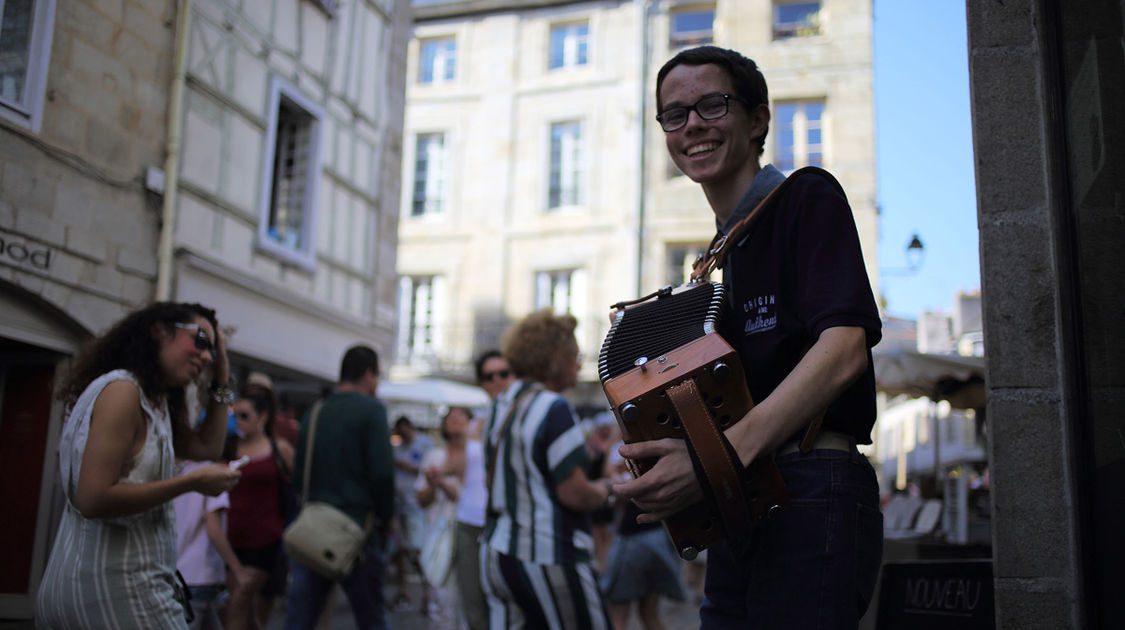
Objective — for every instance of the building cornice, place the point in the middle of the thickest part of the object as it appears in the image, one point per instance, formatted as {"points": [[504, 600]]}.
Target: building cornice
{"points": [[466, 8]]}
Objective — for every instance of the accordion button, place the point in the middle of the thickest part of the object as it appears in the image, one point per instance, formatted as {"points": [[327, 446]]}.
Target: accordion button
{"points": [[721, 371], [689, 552], [629, 412]]}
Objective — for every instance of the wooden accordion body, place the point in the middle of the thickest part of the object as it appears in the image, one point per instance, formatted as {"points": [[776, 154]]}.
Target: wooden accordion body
{"points": [[654, 355]]}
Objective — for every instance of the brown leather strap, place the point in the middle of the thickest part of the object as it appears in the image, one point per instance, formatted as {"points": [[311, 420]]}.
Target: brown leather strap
{"points": [[722, 473], [716, 253]]}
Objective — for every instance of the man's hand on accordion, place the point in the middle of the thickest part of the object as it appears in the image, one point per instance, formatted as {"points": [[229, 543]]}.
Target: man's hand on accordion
{"points": [[667, 487]]}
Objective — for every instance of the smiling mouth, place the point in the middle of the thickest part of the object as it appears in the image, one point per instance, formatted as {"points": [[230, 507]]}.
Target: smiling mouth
{"points": [[698, 149]]}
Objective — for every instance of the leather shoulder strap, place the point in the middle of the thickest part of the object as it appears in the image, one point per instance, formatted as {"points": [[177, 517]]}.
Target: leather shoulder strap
{"points": [[309, 451], [716, 253]]}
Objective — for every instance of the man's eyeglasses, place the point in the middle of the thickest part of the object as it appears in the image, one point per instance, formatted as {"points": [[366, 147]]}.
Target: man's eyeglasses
{"points": [[490, 376], [202, 341], [710, 107]]}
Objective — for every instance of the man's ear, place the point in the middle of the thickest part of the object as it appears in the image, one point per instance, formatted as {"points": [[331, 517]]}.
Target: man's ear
{"points": [[759, 121]]}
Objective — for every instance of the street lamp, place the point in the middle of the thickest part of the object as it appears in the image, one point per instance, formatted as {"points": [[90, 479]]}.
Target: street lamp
{"points": [[915, 252]]}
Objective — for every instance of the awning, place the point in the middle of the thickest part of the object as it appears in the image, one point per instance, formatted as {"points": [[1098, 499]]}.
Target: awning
{"points": [[953, 378], [434, 391]]}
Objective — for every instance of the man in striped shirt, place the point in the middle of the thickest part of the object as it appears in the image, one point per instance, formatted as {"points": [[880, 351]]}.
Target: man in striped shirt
{"points": [[536, 566]]}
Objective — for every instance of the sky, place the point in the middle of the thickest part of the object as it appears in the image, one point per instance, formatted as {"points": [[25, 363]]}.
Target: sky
{"points": [[924, 154]]}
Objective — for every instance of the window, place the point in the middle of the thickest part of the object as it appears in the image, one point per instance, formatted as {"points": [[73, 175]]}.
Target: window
{"points": [[799, 126], [436, 60], [429, 174], [566, 164], [289, 184], [796, 19], [568, 45], [563, 291], [692, 28], [420, 300], [678, 261], [25, 48]]}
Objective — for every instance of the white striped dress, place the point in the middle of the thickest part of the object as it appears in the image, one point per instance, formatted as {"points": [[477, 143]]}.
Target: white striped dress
{"points": [[112, 573]]}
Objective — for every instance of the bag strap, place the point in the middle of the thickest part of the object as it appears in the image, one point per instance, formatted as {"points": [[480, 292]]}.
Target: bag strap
{"points": [[369, 523], [309, 451], [516, 402], [716, 254]]}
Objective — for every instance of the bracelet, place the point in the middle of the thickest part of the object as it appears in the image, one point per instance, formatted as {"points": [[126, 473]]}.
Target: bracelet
{"points": [[611, 496], [223, 393]]}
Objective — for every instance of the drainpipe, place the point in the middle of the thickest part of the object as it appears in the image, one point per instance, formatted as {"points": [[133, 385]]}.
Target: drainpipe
{"points": [[172, 159], [642, 179]]}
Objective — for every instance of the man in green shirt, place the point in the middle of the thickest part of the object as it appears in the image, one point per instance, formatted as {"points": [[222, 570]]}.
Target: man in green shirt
{"points": [[353, 470]]}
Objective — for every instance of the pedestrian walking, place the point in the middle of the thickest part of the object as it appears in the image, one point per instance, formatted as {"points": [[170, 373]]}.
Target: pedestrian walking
{"points": [[352, 469]]}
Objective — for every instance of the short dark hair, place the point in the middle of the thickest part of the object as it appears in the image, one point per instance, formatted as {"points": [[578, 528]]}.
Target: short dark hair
{"points": [[403, 421], [747, 80], [483, 358], [357, 360]]}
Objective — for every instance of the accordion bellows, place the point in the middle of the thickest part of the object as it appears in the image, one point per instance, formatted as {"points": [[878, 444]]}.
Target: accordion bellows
{"points": [[663, 359]]}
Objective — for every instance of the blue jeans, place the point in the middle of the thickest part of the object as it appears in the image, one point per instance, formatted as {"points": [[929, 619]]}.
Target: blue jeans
{"points": [[814, 565], [363, 587]]}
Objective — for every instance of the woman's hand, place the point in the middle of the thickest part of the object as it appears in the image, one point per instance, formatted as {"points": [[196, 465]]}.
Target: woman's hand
{"points": [[667, 487], [213, 479], [433, 476], [221, 367]]}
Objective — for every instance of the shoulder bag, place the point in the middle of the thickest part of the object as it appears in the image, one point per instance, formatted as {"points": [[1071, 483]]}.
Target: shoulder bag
{"points": [[322, 537]]}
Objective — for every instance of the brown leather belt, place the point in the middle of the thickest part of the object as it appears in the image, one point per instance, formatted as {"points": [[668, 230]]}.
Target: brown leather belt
{"points": [[831, 440]]}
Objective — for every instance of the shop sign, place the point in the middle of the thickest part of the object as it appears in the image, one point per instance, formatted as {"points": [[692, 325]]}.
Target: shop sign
{"points": [[17, 250], [938, 594]]}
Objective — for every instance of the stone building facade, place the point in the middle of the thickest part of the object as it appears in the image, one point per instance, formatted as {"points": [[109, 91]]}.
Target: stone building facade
{"points": [[1049, 144], [535, 175], [264, 136]]}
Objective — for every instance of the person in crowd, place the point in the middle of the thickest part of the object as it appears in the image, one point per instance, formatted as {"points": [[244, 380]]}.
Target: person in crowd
{"points": [[642, 565], [257, 511], [409, 450], [114, 556], [352, 469], [598, 442], [797, 281], [536, 563], [493, 376], [204, 552], [437, 489]]}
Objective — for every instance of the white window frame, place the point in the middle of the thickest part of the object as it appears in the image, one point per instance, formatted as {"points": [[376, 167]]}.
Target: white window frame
{"points": [[445, 60], [801, 127], [420, 338], [436, 176], [303, 256], [571, 167], [28, 113], [563, 291], [792, 30], [685, 39], [572, 41]]}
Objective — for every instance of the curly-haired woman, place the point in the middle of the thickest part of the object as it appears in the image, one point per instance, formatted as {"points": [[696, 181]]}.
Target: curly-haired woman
{"points": [[536, 565], [113, 564]]}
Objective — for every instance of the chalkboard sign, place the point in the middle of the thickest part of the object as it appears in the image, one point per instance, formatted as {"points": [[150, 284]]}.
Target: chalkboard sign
{"points": [[936, 595]]}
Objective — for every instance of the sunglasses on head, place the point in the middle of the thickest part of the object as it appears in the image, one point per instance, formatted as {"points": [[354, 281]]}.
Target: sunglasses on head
{"points": [[202, 341], [490, 376]]}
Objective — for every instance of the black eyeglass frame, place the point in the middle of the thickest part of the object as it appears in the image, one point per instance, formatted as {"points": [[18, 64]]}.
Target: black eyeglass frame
{"points": [[694, 107], [202, 340]]}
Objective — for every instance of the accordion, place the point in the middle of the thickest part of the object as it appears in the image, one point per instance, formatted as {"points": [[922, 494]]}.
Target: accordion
{"points": [[668, 373]]}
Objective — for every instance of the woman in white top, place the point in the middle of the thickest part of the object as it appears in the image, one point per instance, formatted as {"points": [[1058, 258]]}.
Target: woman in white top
{"points": [[438, 488], [113, 564]]}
